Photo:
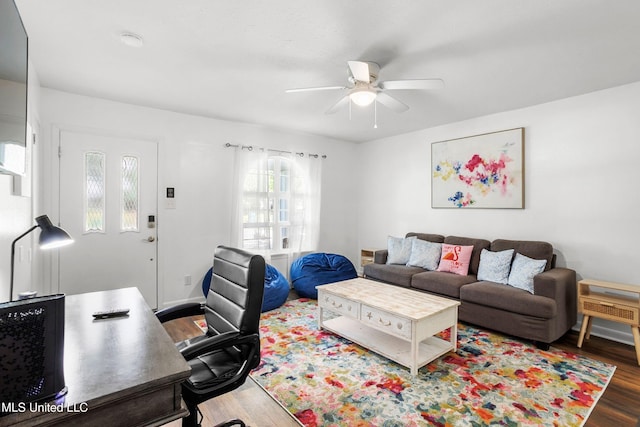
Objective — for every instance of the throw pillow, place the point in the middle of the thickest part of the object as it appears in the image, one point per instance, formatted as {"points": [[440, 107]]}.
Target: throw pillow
{"points": [[495, 266], [455, 259], [399, 249], [523, 270], [425, 254]]}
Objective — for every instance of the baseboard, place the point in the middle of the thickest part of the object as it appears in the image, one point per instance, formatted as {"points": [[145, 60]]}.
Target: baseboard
{"points": [[609, 333]]}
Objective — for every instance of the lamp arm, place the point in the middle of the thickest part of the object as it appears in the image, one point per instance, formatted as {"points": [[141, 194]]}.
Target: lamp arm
{"points": [[13, 255]]}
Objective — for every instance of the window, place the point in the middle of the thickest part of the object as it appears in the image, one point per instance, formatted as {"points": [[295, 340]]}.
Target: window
{"points": [[94, 195], [129, 193], [268, 200]]}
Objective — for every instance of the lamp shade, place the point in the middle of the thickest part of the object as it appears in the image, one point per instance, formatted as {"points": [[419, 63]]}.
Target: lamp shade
{"points": [[51, 236]]}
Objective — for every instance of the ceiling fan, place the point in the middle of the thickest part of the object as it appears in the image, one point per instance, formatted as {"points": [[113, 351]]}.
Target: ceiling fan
{"points": [[364, 87]]}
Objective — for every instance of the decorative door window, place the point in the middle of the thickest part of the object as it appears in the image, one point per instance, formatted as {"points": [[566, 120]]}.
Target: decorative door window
{"points": [[130, 194], [94, 196]]}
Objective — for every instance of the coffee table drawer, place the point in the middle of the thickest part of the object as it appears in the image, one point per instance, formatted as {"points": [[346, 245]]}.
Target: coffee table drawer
{"points": [[386, 322], [339, 305]]}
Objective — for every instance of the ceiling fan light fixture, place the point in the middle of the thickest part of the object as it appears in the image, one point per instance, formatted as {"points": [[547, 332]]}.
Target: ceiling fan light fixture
{"points": [[363, 97]]}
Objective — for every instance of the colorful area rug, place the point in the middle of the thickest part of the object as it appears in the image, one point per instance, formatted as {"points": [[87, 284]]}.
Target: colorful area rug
{"points": [[325, 380]]}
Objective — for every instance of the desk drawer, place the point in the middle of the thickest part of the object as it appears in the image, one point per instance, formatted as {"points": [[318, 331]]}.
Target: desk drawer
{"points": [[608, 310], [386, 322], [339, 305]]}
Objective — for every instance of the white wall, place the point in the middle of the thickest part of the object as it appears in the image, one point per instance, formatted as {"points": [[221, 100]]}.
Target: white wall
{"points": [[192, 158], [581, 186], [16, 215]]}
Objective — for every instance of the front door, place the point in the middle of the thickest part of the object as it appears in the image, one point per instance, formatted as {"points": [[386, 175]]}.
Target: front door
{"points": [[108, 203]]}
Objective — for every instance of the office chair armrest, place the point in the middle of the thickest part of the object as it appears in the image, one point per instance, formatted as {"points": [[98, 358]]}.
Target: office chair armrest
{"points": [[217, 342], [181, 310]]}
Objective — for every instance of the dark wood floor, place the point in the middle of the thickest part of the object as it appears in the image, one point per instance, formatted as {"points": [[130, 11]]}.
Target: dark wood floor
{"points": [[619, 406]]}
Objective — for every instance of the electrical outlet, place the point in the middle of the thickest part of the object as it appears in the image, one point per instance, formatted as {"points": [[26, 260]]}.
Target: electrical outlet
{"points": [[187, 280]]}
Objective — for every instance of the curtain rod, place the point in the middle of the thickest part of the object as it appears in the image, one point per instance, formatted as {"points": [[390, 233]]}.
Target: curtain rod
{"points": [[251, 147]]}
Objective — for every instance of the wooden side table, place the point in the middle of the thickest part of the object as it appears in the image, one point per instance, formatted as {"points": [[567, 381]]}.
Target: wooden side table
{"points": [[366, 256], [615, 307]]}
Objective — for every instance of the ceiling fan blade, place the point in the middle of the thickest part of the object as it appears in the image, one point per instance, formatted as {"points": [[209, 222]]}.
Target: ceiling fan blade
{"points": [[343, 101], [391, 103], [313, 89], [412, 84], [360, 71]]}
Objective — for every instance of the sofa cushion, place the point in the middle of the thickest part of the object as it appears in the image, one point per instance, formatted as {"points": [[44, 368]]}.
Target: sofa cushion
{"points": [[435, 238], [478, 246], [508, 298], [447, 284], [523, 270], [391, 273], [455, 259], [399, 249], [530, 248], [495, 266], [425, 254]]}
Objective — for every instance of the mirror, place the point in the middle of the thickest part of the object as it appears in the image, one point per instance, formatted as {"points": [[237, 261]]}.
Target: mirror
{"points": [[13, 90]]}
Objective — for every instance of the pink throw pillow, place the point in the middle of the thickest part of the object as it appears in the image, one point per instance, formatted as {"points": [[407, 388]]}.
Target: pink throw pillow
{"points": [[455, 259]]}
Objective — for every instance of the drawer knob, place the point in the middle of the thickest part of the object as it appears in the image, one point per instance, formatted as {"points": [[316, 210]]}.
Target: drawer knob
{"points": [[399, 325]]}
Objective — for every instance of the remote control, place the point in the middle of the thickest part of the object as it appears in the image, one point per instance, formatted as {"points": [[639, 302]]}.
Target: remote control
{"points": [[116, 312]]}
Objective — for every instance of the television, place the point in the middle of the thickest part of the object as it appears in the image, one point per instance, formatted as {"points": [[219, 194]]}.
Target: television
{"points": [[13, 90]]}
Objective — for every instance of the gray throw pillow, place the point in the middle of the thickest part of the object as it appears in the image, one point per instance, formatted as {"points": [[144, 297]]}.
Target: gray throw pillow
{"points": [[425, 254], [399, 249], [523, 270], [495, 266]]}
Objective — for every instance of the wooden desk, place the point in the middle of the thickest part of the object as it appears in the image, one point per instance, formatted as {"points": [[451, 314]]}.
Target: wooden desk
{"points": [[119, 372]]}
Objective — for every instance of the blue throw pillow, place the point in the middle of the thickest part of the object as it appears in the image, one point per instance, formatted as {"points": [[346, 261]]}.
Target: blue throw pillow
{"points": [[523, 270], [399, 249], [495, 266], [425, 254]]}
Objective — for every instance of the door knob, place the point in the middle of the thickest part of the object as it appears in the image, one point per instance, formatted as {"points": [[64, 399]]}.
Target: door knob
{"points": [[151, 239]]}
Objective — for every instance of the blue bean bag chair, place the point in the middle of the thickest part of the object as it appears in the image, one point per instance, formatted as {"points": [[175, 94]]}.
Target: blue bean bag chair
{"points": [[321, 268], [276, 287], [206, 282]]}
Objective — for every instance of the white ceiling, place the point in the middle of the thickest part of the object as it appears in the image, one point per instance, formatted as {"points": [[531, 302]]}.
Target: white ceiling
{"points": [[233, 59]]}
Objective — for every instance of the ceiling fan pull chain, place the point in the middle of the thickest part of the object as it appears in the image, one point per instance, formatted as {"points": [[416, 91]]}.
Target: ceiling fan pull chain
{"points": [[375, 114]]}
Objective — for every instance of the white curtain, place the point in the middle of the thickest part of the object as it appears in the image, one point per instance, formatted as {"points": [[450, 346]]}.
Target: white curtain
{"points": [[305, 205], [250, 195], [247, 162]]}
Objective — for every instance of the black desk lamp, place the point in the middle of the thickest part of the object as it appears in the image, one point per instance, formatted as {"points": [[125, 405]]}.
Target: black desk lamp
{"points": [[50, 237]]}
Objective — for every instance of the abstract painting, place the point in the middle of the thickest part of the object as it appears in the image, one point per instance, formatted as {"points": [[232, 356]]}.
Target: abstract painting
{"points": [[481, 171]]}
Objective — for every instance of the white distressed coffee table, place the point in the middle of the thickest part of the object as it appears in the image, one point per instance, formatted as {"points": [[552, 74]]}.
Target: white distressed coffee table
{"points": [[395, 322]]}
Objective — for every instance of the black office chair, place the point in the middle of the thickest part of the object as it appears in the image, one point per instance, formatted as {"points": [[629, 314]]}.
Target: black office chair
{"points": [[221, 359]]}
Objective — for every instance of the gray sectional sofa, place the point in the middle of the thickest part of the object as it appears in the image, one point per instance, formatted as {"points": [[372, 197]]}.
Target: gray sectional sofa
{"points": [[541, 317]]}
